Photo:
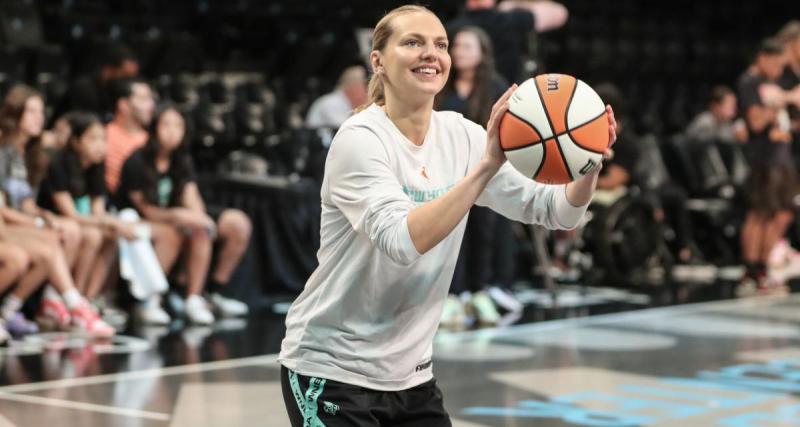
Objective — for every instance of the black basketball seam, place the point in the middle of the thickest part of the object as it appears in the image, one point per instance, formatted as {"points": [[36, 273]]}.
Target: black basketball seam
{"points": [[553, 129], [574, 140], [564, 160], [531, 125], [541, 165], [524, 146], [562, 134], [544, 107], [566, 126]]}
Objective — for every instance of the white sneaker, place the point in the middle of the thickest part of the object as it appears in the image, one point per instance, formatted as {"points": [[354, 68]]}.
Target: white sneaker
{"points": [[485, 310], [505, 299], [227, 307], [453, 314], [151, 313], [4, 335], [197, 310]]}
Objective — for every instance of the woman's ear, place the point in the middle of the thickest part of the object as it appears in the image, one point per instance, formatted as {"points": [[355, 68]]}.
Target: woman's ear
{"points": [[375, 60]]}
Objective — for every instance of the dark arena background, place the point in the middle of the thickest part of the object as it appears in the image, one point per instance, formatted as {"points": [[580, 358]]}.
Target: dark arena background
{"points": [[671, 304]]}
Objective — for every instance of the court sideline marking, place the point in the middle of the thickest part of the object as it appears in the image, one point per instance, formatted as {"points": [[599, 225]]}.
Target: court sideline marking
{"points": [[10, 392]]}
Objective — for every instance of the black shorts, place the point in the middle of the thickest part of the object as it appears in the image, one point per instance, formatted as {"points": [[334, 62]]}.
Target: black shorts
{"points": [[320, 402]]}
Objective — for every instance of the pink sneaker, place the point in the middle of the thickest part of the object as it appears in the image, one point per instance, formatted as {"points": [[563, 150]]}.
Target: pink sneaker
{"points": [[780, 253], [53, 315], [85, 319]]}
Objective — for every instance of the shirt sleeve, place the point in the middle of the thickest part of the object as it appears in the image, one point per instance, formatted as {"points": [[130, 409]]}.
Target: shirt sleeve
{"points": [[96, 180], [57, 175], [131, 178], [314, 118], [363, 187], [517, 197], [191, 174], [748, 93], [701, 128], [521, 20]]}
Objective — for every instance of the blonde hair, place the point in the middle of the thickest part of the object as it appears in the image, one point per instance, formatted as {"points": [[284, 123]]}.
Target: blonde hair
{"points": [[790, 32], [380, 36], [352, 74]]}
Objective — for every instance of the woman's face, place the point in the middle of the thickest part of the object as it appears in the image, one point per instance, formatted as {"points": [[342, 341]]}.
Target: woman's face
{"points": [[170, 130], [32, 121], [727, 107], [466, 51], [415, 60], [62, 132], [92, 144]]}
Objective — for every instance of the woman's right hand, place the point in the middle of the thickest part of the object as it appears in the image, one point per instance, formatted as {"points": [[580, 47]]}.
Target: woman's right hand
{"points": [[494, 153]]}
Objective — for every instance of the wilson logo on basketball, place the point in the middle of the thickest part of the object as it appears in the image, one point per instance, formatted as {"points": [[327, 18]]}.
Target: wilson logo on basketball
{"points": [[552, 83]]}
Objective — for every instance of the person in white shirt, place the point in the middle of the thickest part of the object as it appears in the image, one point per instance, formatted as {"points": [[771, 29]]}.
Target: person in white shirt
{"points": [[332, 109], [399, 181]]}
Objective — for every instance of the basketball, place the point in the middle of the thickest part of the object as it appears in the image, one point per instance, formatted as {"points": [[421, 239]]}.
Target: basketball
{"points": [[555, 129]]}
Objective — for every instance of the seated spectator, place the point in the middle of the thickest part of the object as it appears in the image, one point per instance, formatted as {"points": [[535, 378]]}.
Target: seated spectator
{"points": [[717, 123], [56, 138], [621, 172], [75, 188], [618, 171], [134, 104], [332, 109], [14, 263], [21, 171], [159, 181]]}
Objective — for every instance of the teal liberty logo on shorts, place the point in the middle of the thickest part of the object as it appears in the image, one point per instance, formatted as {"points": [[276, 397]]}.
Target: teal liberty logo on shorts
{"points": [[330, 408]]}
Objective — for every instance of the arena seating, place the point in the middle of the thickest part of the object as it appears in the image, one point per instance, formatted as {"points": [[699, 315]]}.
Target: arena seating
{"points": [[244, 72]]}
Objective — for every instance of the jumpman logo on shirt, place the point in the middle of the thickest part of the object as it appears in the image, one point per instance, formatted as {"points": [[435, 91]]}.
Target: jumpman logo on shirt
{"points": [[425, 173]]}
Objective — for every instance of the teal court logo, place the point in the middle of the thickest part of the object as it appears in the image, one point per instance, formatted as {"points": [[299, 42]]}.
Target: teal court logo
{"points": [[330, 408]]}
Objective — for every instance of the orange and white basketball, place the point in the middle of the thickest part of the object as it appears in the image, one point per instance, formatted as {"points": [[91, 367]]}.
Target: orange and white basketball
{"points": [[555, 129]]}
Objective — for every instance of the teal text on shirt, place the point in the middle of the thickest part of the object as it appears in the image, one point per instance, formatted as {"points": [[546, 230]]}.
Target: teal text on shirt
{"points": [[422, 196], [164, 191]]}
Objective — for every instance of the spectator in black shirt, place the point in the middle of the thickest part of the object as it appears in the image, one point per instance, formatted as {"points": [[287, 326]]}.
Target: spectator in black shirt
{"points": [[773, 181], [508, 26], [159, 181], [74, 187], [789, 35]]}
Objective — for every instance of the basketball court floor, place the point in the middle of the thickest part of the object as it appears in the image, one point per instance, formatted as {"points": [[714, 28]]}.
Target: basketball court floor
{"points": [[729, 363]]}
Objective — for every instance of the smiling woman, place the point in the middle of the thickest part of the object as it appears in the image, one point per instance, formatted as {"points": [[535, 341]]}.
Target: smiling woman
{"points": [[399, 181]]}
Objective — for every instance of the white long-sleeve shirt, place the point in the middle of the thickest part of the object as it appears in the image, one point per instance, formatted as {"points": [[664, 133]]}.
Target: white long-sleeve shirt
{"points": [[368, 313]]}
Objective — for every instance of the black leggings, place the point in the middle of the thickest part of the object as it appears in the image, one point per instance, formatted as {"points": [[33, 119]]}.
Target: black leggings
{"points": [[487, 252]]}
